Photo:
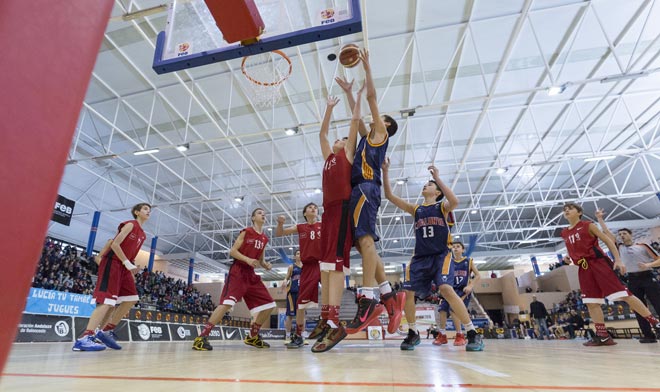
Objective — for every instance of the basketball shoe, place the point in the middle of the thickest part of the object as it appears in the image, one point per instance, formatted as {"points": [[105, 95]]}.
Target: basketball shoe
{"points": [[331, 338], [459, 340], [392, 302], [475, 341], [368, 310], [109, 339], [201, 343], [411, 340], [440, 340], [297, 341], [600, 341], [319, 330], [88, 343], [256, 341]]}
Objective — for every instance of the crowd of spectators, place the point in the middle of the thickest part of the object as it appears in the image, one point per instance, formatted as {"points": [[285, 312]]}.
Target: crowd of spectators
{"points": [[65, 267]]}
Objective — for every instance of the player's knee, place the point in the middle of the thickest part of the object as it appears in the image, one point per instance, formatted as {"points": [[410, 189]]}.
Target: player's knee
{"points": [[366, 243], [446, 290]]}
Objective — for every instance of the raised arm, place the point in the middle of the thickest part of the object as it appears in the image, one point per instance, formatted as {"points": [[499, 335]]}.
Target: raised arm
{"points": [[600, 214], [396, 200], [238, 255], [452, 200], [280, 230], [618, 265], [351, 143], [348, 90], [379, 125], [326, 148]]}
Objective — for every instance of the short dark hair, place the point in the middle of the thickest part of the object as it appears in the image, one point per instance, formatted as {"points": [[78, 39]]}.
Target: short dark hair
{"points": [[442, 195], [626, 230], [459, 243], [393, 127], [138, 207], [308, 205], [255, 211], [573, 205]]}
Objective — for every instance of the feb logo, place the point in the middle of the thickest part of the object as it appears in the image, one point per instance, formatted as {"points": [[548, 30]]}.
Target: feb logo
{"points": [[143, 332], [183, 49], [327, 16]]}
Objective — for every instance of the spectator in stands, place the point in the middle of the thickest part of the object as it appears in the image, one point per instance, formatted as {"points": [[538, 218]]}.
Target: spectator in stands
{"points": [[493, 275], [539, 313]]}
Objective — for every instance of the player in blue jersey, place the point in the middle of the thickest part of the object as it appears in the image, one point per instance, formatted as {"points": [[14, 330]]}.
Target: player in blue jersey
{"points": [[364, 204], [432, 259], [292, 284], [464, 269]]}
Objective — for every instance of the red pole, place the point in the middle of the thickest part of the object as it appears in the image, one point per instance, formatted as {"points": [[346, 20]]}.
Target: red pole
{"points": [[48, 53]]}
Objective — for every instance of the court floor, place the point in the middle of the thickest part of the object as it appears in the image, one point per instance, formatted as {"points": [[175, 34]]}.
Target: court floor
{"points": [[506, 365]]}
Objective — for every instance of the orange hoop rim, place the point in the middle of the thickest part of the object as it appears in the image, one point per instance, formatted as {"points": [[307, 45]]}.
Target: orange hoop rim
{"points": [[268, 84]]}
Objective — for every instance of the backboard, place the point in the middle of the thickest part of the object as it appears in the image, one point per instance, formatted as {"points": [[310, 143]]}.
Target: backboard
{"points": [[192, 39]]}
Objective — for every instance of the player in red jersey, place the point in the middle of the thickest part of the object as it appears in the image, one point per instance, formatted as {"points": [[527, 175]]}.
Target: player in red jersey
{"points": [[597, 279], [115, 283], [309, 237], [243, 283], [337, 238]]}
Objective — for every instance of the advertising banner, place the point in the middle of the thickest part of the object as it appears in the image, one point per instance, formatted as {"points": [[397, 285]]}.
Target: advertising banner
{"points": [[42, 328], [143, 332], [273, 334], [63, 210], [42, 301], [231, 333], [183, 332]]}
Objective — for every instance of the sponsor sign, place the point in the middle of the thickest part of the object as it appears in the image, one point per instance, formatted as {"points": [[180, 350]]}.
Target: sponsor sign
{"points": [[63, 210], [273, 334], [43, 328], [143, 332], [216, 333], [231, 333], [183, 332], [42, 301], [375, 332]]}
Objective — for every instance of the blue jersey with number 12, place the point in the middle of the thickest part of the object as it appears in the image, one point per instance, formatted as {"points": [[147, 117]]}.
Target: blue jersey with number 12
{"points": [[432, 224]]}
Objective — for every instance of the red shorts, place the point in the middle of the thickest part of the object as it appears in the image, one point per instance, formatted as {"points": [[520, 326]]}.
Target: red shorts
{"points": [[308, 293], [598, 281], [336, 237], [115, 283], [243, 283]]}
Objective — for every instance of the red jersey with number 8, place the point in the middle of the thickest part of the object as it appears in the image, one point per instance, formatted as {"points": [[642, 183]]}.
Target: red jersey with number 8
{"points": [[309, 237], [253, 244]]}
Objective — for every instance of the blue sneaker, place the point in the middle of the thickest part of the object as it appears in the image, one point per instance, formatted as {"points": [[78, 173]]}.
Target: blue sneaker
{"points": [[475, 341], [109, 339], [87, 343]]}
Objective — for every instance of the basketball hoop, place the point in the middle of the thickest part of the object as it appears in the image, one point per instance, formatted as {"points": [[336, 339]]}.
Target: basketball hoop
{"points": [[265, 73]]}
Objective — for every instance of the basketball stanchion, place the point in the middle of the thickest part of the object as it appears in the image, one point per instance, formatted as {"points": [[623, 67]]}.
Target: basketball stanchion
{"points": [[265, 73]]}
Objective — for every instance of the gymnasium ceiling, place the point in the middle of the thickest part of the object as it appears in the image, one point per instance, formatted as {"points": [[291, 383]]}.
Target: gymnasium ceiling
{"points": [[475, 72]]}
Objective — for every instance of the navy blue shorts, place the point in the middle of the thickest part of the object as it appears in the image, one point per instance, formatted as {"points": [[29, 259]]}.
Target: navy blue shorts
{"points": [[364, 204], [444, 305], [423, 271], [291, 300]]}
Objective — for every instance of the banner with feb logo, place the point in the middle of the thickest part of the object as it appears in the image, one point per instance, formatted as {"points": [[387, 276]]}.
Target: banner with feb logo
{"points": [[63, 210], [144, 332]]}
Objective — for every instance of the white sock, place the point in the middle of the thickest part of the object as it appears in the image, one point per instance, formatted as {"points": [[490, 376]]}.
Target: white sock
{"points": [[385, 287], [412, 326], [442, 331], [369, 292], [469, 327]]}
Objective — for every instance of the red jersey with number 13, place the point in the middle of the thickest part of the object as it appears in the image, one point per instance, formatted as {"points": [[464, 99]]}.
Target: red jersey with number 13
{"points": [[580, 243], [309, 237], [336, 178], [253, 244]]}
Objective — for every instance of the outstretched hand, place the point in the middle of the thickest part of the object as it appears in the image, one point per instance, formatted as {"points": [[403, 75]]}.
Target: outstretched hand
{"points": [[362, 88], [433, 170], [364, 58], [344, 84], [600, 213], [332, 101], [281, 219]]}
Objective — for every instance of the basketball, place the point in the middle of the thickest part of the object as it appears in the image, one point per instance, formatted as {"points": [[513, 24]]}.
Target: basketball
{"points": [[349, 55]]}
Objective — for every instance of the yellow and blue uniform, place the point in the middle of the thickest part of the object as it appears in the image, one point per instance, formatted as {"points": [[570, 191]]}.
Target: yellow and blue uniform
{"points": [[366, 182], [292, 291], [462, 270], [432, 260]]}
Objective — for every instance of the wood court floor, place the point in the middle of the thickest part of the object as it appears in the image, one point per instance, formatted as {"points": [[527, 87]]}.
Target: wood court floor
{"points": [[506, 365]]}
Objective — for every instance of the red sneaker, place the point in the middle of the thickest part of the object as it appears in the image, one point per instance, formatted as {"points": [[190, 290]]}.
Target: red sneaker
{"points": [[368, 310], [460, 340], [440, 340], [392, 304]]}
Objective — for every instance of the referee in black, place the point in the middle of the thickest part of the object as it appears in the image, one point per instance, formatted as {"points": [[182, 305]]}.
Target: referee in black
{"points": [[639, 259]]}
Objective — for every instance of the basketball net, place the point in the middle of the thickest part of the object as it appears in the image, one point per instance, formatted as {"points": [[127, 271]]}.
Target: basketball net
{"points": [[265, 73]]}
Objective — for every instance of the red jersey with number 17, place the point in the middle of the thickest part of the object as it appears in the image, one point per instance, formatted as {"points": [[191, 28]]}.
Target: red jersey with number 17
{"points": [[133, 242], [336, 178], [253, 244], [309, 237], [580, 243]]}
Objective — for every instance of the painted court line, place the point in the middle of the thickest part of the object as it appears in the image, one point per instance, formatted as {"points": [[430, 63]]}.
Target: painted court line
{"points": [[337, 383]]}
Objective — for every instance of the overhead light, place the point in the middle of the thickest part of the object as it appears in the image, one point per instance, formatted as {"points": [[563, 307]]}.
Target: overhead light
{"points": [[144, 152], [473, 212], [317, 190], [398, 218], [395, 241], [291, 131], [502, 208], [479, 261], [501, 170], [407, 113], [515, 260], [290, 248], [238, 199], [183, 147], [556, 90], [600, 158], [527, 241], [457, 236], [109, 156], [616, 78], [400, 182], [270, 229]]}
